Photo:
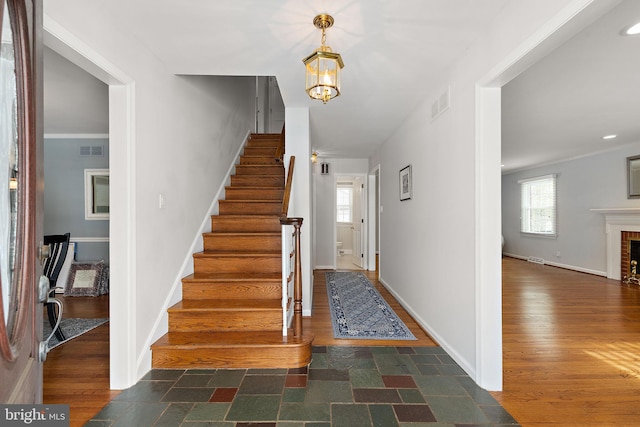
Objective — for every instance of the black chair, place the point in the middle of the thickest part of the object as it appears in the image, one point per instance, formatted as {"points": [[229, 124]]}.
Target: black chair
{"points": [[58, 247]]}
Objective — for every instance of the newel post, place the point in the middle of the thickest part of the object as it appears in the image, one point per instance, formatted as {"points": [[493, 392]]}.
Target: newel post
{"points": [[297, 284]]}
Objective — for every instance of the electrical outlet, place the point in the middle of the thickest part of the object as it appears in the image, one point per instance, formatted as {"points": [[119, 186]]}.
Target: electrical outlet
{"points": [[558, 254]]}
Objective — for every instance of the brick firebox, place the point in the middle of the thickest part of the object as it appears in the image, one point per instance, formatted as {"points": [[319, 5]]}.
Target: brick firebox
{"points": [[625, 252]]}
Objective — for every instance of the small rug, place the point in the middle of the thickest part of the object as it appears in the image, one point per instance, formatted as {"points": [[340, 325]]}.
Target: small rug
{"points": [[358, 311], [71, 328]]}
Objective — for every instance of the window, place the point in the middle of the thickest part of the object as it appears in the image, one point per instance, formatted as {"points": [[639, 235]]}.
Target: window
{"points": [[344, 203], [538, 205]]}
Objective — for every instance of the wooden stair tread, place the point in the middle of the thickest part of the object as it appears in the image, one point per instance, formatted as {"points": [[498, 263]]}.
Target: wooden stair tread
{"points": [[247, 234], [242, 217], [254, 253], [227, 304], [230, 339], [261, 156], [253, 187], [252, 201], [231, 314], [265, 135], [232, 277]]}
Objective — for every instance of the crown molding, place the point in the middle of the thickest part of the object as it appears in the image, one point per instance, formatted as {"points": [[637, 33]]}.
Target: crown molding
{"points": [[76, 136]]}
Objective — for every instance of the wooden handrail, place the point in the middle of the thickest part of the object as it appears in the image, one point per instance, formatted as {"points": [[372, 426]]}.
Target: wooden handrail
{"points": [[280, 149], [287, 188]]}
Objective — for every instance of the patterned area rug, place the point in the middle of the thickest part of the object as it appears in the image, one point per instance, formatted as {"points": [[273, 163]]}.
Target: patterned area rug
{"points": [[358, 311], [71, 328]]}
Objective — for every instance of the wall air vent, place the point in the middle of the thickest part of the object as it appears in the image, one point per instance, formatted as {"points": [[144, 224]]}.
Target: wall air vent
{"points": [[441, 104], [91, 151]]}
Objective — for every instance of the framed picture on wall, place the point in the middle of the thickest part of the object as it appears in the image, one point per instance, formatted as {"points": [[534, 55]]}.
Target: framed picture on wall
{"points": [[405, 183]]}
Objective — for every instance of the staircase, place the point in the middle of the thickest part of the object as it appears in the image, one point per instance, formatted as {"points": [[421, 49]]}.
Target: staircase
{"points": [[230, 315]]}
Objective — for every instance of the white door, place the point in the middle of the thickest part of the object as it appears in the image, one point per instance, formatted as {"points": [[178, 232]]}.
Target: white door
{"points": [[358, 222], [276, 107]]}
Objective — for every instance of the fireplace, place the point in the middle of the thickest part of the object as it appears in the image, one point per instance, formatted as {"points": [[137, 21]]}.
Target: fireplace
{"points": [[619, 222], [629, 251]]}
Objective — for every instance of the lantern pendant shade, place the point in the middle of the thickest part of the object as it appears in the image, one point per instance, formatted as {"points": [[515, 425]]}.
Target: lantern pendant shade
{"points": [[323, 67]]}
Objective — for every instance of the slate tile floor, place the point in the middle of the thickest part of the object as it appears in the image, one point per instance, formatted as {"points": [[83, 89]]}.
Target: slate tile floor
{"points": [[343, 386]]}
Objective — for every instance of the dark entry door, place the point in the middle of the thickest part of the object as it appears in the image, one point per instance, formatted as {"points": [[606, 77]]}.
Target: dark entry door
{"points": [[20, 201]]}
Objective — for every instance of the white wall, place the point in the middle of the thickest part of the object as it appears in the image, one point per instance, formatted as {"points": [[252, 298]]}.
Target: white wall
{"points": [[185, 133], [298, 144], [597, 181], [325, 206], [431, 246]]}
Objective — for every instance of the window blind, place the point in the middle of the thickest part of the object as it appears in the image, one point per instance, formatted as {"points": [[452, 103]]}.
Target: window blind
{"points": [[538, 205], [344, 204]]}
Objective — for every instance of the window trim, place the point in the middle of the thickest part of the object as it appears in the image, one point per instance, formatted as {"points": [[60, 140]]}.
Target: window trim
{"points": [[350, 188], [553, 235]]}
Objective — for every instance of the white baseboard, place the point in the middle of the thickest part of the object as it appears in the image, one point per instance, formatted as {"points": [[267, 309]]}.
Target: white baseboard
{"points": [[464, 364], [560, 265]]}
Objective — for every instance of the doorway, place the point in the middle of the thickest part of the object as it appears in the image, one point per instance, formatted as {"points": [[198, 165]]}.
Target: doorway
{"points": [[373, 213], [76, 147], [122, 203], [350, 222]]}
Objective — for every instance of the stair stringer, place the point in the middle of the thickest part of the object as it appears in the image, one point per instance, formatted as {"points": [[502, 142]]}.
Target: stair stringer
{"points": [[161, 324]]}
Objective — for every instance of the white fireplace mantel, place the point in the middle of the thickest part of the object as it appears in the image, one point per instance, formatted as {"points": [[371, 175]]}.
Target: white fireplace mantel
{"points": [[617, 220], [618, 211]]}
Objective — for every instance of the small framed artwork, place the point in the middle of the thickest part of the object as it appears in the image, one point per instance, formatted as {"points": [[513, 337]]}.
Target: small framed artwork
{"points": [[405, 183]]}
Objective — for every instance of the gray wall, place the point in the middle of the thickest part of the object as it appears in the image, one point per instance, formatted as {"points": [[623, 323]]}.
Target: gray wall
{"points": [[597, 181], [64, 194]]}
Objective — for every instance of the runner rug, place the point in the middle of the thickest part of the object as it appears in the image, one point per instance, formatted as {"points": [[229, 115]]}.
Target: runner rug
{"points": [[358, 311], [72, 328]]}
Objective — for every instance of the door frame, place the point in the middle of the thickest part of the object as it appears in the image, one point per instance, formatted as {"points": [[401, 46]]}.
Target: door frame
{"points": [[123, 360], [365, 214], [373, 212]]}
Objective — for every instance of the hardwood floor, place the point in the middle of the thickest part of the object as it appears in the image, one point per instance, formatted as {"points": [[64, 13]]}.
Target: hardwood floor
{"points": [[571, 346], [77, 372], [320, 323]]}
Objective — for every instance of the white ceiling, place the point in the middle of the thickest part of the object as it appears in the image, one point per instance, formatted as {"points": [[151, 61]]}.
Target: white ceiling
{"points": [[589, 87], [394, 52]]}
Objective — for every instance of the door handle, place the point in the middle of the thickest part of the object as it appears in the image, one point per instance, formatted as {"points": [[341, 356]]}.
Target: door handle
{"points": [[45, 297], [44, 345], [43, 252]]}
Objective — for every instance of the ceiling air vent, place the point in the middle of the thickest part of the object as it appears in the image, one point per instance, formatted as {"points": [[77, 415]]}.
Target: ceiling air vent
{"points": [[91, 151]]}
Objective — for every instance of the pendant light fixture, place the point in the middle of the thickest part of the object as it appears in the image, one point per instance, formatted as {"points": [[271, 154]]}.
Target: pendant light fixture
{"points": [[323, 66]]}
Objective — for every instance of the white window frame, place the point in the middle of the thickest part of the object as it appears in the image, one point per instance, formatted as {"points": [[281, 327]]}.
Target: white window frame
{"points": [[527, 211], [338, 205]]}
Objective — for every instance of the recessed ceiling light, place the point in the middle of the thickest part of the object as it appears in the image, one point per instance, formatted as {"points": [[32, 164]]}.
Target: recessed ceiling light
{"points": [[609, 136], [632, 30]]}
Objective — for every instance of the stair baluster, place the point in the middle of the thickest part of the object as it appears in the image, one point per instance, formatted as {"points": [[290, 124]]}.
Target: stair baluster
{"points": [[280, 150], [291, 253]]}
